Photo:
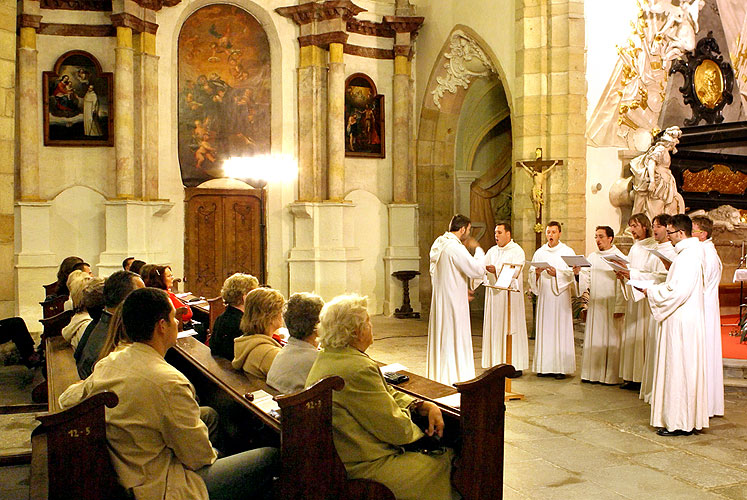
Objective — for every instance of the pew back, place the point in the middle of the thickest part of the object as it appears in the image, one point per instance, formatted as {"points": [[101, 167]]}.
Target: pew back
{"points": [[53, 306]]}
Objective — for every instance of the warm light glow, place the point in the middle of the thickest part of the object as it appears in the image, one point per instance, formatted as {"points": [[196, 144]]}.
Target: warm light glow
{"points": [[261, 170]]}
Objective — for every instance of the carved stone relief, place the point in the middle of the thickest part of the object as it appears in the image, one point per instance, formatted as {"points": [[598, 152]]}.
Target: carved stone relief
{"points": [[466, 60]]}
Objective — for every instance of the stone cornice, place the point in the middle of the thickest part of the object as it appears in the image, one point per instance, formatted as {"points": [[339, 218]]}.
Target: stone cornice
{"points": [[102, 5], [369, 28], [98, 30], [126, 20], [312, 11], [29, 21], [323, 39], [403, 24], [370, 52]]}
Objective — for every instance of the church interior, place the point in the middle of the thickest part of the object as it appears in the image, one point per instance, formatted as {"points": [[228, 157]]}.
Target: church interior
{"points": [[322, 146]]}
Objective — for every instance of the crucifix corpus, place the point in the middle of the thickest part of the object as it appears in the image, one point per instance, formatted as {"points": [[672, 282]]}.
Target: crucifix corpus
{"points": [[538, 169]]}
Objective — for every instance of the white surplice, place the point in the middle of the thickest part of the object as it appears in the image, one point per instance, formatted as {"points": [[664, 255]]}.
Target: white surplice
{"points": [[714, 359], [659, 275], [679, 399], [450, 357], [601, 358], [495, 323], [554, 350], [637, 314]]}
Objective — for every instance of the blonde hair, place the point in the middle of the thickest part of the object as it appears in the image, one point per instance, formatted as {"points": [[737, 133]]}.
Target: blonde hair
{"points": [[76, 283], [261, 307], [341, 319], [236, 286]]}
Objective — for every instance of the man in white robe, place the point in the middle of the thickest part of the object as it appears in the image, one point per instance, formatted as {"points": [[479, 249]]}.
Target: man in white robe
{"points": [[601, 355], [702, 229], [637, 313], [679, 399], [495, 324], [450, 357], [657, 271], [554, 352]]}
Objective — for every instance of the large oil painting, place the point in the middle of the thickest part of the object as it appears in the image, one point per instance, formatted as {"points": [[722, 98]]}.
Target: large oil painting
{"points": [[224, 91], [364, 118], [78, 102]]}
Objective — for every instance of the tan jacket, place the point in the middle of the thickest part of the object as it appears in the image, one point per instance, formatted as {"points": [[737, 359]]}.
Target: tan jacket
{"points": [[155, 435], [254, 354]]}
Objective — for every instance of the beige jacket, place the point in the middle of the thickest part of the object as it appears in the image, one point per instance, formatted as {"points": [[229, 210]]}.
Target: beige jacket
{"points": [[74, 330], [155, 435], [254, 354]]}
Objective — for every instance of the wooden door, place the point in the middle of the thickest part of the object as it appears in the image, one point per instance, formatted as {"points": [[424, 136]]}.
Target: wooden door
{"points": [[224, 234]]}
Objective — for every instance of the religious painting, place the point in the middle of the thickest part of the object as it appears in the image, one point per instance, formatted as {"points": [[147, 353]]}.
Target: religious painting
{"points": [[364, 118], [78, 102], [224, 91]]}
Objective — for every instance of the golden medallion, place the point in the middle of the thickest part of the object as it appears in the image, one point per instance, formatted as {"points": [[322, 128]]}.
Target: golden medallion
{"points": [[709, 83]]}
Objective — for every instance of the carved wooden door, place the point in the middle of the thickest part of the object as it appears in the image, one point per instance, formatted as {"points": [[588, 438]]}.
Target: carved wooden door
{"points": [[225, 234]]}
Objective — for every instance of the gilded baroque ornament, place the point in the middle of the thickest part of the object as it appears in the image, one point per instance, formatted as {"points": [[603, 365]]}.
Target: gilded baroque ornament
{"points": [[466, 60]]}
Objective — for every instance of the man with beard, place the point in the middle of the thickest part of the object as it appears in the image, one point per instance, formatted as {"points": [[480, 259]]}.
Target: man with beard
{"points": [[450, 357]]}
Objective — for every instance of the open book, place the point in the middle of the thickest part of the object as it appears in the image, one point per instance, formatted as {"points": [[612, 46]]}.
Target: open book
{"points": [[575, 260], [660, 255]]}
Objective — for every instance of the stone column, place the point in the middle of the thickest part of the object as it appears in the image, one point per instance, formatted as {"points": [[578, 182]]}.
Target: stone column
{"points": [[402, 192], [312, 73], [124, 124], [28, 109], [149, 103], [336, 123]]}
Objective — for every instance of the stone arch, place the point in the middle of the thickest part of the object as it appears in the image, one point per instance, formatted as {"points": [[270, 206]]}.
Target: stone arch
{"points": [[464, 58]]}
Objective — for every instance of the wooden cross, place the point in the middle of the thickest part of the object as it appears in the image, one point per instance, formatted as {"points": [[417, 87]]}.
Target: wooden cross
{"points": [[538, 169]]}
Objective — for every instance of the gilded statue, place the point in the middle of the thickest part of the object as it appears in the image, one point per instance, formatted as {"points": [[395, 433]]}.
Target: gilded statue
{"points": [[538, 177], [654, 187]]}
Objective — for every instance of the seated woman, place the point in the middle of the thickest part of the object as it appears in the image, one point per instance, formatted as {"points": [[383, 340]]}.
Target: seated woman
{"points": [[256, 349], [67, 266], [226, 327], [77, 283], [372, 421], [162, 277], [292, 364]]}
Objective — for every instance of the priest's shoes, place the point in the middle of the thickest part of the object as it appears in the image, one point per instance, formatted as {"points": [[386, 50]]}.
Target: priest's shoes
{"points": [[631, 386], [559, 376], [677, 432]]}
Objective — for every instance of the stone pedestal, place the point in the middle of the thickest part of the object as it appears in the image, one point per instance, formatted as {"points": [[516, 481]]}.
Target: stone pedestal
{"points": [[132, 230], [35, 265], [324, 259], [401, 255]]}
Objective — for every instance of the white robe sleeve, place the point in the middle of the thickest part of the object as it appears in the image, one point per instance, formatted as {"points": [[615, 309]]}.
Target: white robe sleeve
{"points": [[584, 280], [471, 267], [564, 278], [665, 298]]}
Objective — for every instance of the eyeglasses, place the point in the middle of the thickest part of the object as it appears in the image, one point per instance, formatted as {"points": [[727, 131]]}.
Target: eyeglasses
{"points": [[672, 232]]}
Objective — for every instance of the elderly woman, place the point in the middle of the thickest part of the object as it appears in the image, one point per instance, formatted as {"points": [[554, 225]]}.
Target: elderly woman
{"points": [[255, 351], [226, 327], [372, 422], [291, 366], [78, 282]]}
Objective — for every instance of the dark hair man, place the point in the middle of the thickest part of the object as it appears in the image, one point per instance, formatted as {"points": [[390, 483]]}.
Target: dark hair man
{"points": [[159, 446], [127, 263]]}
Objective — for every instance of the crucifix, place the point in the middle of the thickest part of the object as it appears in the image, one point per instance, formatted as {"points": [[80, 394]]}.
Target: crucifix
{"points": [[538, 169]]}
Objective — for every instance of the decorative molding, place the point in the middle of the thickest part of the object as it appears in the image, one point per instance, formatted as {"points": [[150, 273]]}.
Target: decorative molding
{"points": [[404, 24], [323, 39], [709, 81], [97, 30], [126, 20], [313, 11], [369, 28], [720, 178], [370, 52], [465, 60], [95, 5], [29, 21]]}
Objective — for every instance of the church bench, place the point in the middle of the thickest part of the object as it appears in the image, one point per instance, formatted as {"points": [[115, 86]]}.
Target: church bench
{"points": [[50, 289], [52, 326], [54, 345], [53, 306]]}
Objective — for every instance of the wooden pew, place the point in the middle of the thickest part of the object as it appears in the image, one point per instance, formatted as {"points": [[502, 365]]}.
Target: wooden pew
{"points": [[52, 326], [53, 306], [50, 289], [310, 466], [215, 308]]}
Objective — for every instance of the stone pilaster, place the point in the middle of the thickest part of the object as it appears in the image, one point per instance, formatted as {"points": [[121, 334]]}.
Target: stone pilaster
{"points": [[124, 124], [28, 108], [312, 144], [335, 123], [147, 113]]}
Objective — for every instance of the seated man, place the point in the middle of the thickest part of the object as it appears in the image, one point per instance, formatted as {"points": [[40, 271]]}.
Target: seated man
{"points": [[158, 445], [292, 364], [116, 288], [371, 420]]}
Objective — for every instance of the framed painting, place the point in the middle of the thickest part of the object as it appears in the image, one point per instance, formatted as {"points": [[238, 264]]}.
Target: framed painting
{"points": [[224, 91], [364, 118], [78, 102]]}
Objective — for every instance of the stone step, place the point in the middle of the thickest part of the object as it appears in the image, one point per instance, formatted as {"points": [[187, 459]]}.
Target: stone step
{"points": [[735, 372]]}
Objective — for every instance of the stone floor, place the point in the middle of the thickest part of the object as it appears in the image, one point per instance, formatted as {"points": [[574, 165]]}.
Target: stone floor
{"points": [[566, 440]]}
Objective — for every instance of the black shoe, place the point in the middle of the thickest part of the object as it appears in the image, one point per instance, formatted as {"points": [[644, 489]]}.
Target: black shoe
{"points": [[517, 374], [676, 432], [559, 376], [544, 374], [631, 386]]}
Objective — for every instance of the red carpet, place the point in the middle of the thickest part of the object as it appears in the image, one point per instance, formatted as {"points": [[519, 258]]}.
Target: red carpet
{"points": [[731, 347]]}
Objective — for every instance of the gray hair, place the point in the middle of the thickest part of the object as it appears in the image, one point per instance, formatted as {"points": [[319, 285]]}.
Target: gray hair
{"points": [[236, 286], [341, 320], [77, 283], [302, 314]]}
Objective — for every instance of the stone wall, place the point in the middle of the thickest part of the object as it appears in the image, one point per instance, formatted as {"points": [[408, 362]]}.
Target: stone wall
{"points": [[7, 153]]}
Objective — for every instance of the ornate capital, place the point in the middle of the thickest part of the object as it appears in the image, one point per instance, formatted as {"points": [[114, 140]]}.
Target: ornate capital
{"points": [[126, 20], [465, 60], [369, 28], [312, 11], [404, 24], [29, 21]]}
